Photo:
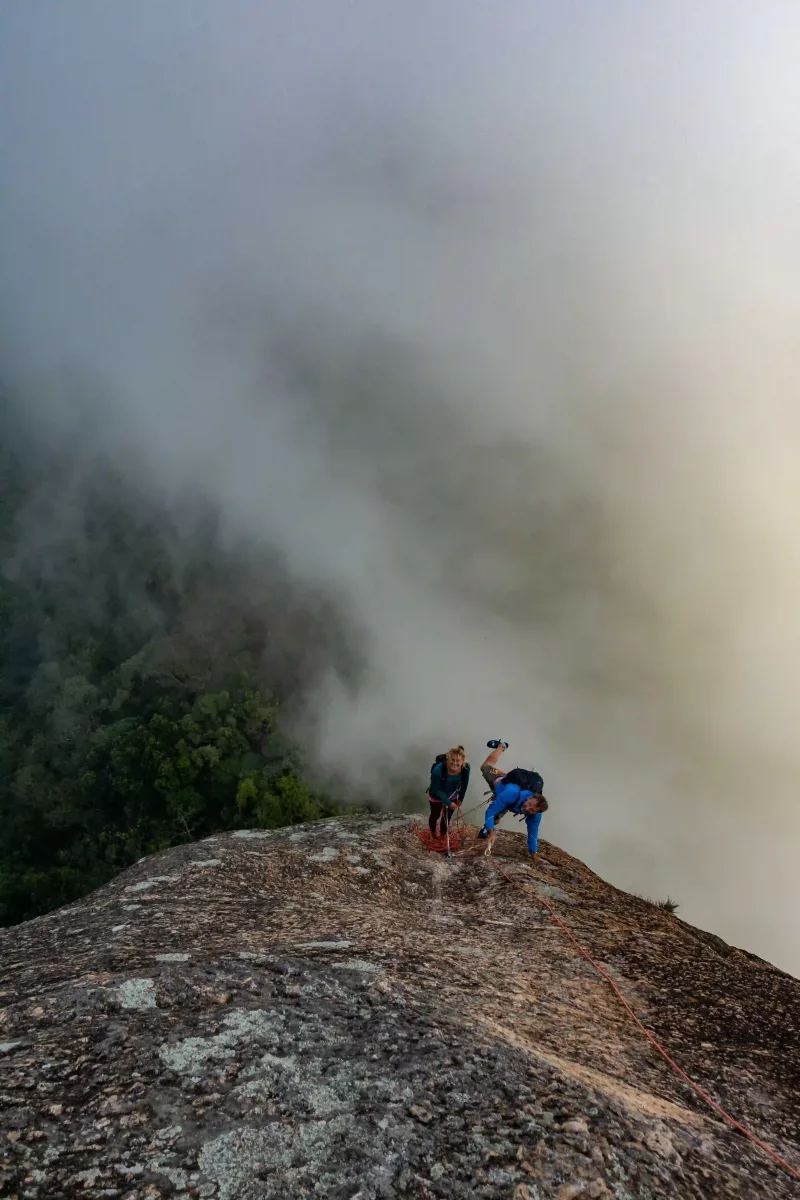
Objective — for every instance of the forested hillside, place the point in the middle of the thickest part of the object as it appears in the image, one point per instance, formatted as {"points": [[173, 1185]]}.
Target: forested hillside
{"points": [[145, 664]]}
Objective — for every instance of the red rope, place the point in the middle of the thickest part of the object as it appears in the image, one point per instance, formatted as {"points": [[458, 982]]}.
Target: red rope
{"points": [[433, 841], [678, 1070]]}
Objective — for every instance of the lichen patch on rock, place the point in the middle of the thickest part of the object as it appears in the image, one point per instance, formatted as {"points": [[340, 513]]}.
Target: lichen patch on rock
{"points": [[326, 855], [324, 945], [137, 993], [147, 884]]}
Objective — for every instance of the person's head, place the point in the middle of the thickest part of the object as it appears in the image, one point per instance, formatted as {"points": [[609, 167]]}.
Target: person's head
{"points": [[456, 757], [535, 804]]}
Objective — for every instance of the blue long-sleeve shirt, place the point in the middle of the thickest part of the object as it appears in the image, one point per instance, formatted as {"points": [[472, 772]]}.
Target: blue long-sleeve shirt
{"points": [[444, 786], [509, 798]]}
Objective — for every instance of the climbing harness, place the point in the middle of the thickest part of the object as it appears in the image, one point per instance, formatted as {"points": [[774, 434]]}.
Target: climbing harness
{"points": [[650, 1037]]}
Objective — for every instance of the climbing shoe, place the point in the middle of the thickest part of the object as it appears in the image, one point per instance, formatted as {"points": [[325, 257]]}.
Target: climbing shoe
{"points": [[495, 742]]}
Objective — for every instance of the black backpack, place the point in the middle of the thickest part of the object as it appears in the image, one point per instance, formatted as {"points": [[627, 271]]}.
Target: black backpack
{"points": [[464, 774], [526, 781]]}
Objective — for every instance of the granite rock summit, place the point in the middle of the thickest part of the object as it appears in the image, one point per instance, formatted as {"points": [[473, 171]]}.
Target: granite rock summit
{"points": [[333, 1011]]}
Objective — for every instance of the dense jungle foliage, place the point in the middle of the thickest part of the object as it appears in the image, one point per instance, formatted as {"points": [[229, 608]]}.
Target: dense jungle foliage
{"points": [[136, 650]]}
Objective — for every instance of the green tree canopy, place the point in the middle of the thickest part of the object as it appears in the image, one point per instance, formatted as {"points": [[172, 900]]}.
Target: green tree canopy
{"points": [[144, 670]]}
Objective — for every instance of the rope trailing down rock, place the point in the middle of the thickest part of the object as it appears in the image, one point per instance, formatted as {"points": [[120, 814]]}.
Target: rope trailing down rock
{"points": [[664, 1054]]}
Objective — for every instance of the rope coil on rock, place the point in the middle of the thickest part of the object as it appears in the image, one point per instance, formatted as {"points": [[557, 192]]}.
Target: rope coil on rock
{"points": [[449, 843], [438, 842], [650, 1037]]}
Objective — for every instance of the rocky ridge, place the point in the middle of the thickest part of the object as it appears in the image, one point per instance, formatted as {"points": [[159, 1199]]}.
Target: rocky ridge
{"points": [[332, 1011]]}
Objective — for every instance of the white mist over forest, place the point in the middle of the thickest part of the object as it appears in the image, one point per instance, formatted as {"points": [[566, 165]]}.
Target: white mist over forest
{"points": [[485, 318]]}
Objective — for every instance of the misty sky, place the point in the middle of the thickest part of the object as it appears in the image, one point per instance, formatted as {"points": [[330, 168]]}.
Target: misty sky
{"points": [[487, 315]]}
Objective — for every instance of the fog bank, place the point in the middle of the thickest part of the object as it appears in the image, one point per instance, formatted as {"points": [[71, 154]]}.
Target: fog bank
{"points": [[485, 319]]}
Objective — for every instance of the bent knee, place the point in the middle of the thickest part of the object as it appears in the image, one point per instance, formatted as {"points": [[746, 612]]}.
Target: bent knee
{"points": [[491, 774]]}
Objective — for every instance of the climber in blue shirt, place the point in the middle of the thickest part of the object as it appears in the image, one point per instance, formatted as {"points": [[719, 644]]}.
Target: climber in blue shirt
{"points": [[518, 792]]}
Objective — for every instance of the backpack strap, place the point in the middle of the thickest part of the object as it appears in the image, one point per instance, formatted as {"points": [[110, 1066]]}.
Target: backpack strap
{"points": [[438, 761]]}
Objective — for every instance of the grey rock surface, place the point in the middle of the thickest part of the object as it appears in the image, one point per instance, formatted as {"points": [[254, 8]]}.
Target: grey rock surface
{"points": [[332, 1011]]}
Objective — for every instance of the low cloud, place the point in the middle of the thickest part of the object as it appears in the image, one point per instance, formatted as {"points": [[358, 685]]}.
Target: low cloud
{"points": [[485, 321]]}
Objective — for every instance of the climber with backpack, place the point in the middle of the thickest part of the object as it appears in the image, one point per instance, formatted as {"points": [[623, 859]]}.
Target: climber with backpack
{"points": [[447, 788], [517, 791]]}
